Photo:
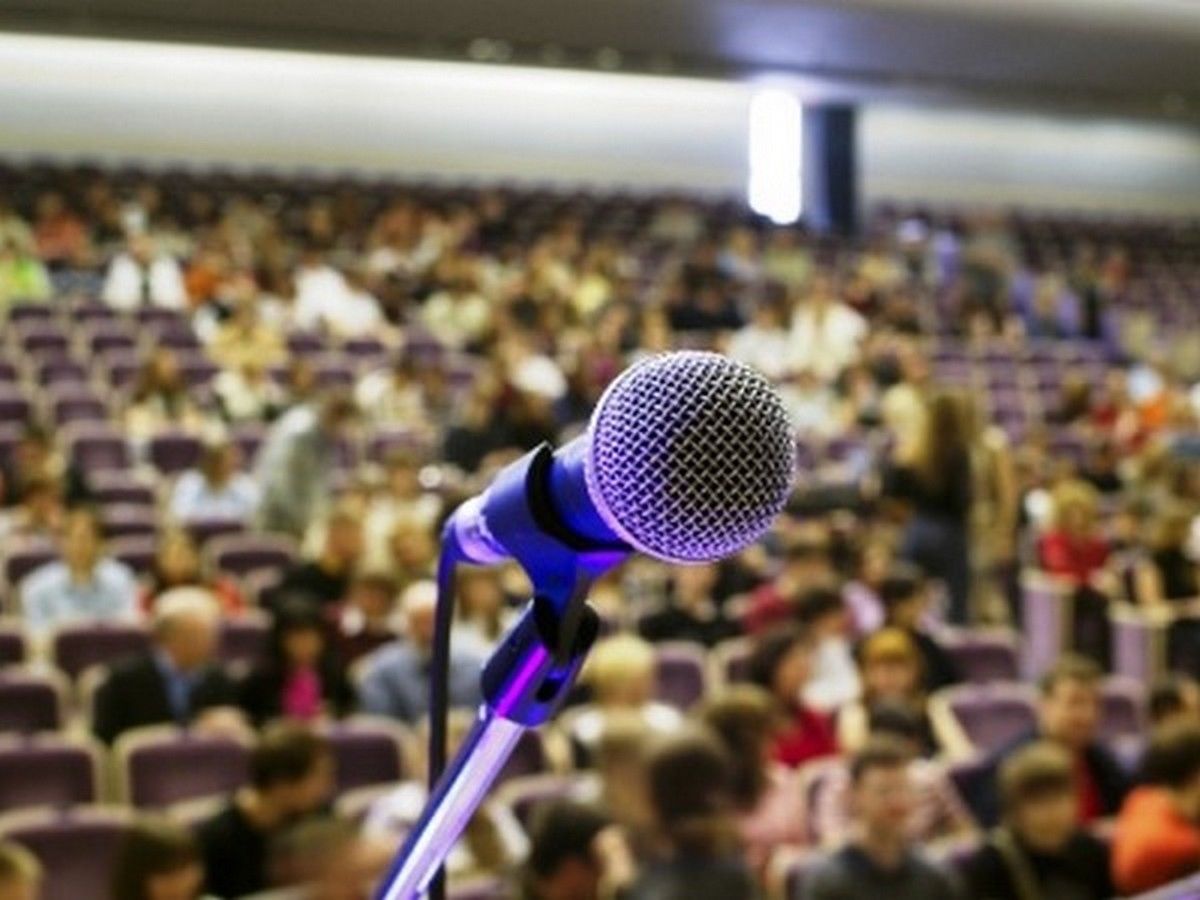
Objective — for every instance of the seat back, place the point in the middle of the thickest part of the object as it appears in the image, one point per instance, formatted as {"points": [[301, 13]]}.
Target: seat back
{"points": [[48, 771], [160, 766]]}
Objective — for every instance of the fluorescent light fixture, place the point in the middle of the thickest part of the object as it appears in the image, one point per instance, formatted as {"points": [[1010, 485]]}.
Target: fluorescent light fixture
{"points": [[774, 155]]}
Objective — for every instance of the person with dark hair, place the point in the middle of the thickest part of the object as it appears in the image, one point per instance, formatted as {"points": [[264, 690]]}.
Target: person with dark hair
{"points": [[157, 860], [690, 788], [905, 598], [1068, 715], [1039, 852], [930, 482], [691, 612], [325, 579], [215, 488], [301, 677], [781, 664], [291, 778], [160, 399], [1157, 835], [824, 616], [177, 564], [765, 793], [879, 860], [364, 621], [20, 873], [85, 585], [807, 564], [575, 853], [1173, 699]]}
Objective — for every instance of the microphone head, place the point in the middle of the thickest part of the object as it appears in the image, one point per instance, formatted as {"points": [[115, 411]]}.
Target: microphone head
{"points": [[691, 456]]}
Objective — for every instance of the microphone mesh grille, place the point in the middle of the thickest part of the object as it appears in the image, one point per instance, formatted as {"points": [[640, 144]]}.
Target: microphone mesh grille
{"points": [[692, 456]]}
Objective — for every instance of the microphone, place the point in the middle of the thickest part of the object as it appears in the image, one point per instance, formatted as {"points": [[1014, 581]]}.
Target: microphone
{"points": [[688, 457]]}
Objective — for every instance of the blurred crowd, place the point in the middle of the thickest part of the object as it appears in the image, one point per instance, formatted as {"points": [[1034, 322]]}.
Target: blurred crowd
{"points": [[985, 405]]}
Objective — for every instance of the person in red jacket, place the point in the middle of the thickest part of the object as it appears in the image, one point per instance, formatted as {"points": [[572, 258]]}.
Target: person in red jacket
{"points": [[1157, 836], [1074, 547]]}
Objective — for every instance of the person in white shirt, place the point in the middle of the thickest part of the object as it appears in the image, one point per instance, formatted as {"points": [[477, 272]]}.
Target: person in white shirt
{"points": [[393, 396], [763, 343], [215, 489], [827, 334], [458, 315], [142, 276]]}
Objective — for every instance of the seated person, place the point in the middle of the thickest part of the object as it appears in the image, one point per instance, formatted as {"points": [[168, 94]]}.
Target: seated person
{"points": [[880, 860], [781, 664], [690, 612], [325, 579], [1068, 715], [300, 677], [1169, 573], [160, 400], [905, 597], [482, 614], [20, 873], [38, 515], [1074, 547], [1175, 698], [365, 620], [576, 853], [1157, 835], [215, 489], [807, 564], [177, 564], [395, 682], [1040, 850], [401, 498], [177, 680], [689, 787], [84, 586], [892, 673], [157, 860], [620, 673], [939, 813], [291, 778], [835, 680], [766, 794]]}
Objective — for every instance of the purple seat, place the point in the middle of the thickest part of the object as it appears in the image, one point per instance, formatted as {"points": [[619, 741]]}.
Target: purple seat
{"points": [[243, 639], [159, 319], [175, 452], [164, 766], [122, 369], [30, 701], [384, 443], [525, 795], [485, 888], [27, 557], [101, 342], [48, 343], [197, 371], [1046, 609], [204, 530], [680, 674], [12, 644], [65, 410], [121, 488], [96, 314], [14, 407], [78, 647], [76, 848], [121, 521], [47, 771], [22, 313], [366, 752], [733, 659], [304, 343], [1122, 710], [137, 551], [983, 656], [529, 757], [97, 447], [58, 371], [239, 554], [992, 715], [8, 372]]}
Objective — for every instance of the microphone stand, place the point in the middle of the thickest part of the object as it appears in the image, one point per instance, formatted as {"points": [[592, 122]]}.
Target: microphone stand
{"points": [[527, 676]]}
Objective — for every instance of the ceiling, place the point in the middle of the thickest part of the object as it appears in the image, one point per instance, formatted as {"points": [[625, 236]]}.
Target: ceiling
{"points": [[1125, 57]]}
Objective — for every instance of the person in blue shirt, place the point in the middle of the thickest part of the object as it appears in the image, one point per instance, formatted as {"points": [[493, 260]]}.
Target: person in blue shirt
{"points": [[82, 586], [215, 489]]}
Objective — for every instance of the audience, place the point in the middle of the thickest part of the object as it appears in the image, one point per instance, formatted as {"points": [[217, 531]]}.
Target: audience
{"points": [[161, 401], [880, 859], [1157, 835], [326, 579], [300, 677], [143, 276], [906, 603], [781, 664], [365, 621], [1040, 849], [291, 778], [177, 564], [575, 854], [691, 612], [84, 586], [177, 680], [395, 678], [157, 861], [1069, 716], [216, 488], [20, 873]]}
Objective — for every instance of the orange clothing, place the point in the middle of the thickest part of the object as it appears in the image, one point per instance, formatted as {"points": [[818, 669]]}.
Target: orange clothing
{"points": [[1153, 844]]}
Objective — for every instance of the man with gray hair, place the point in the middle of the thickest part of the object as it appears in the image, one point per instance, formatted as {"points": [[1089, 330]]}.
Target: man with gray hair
{"points": [[177, 680]]}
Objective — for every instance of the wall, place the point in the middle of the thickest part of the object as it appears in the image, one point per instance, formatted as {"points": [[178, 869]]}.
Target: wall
{"points": [[121, 100]]}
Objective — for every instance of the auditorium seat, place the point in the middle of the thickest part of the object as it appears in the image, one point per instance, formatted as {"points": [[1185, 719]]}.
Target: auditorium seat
{"points": [[31, 700], [240, 554], [174, 452], [367, 751], [12, 642], [680, 673], [983, 655], [122, 488], [204, 530], [76, 847], [992, 715], [48, 770], [162, 765], [136, 551], [526, 794], [244, 637], [75, 648], [1122, 711], [25, 557], [121, 520], [95, 447]]}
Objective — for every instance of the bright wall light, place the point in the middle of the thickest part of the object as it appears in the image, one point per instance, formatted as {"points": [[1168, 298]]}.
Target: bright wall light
{"points": [[773, 189]]}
